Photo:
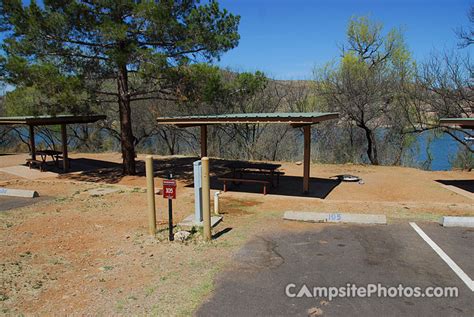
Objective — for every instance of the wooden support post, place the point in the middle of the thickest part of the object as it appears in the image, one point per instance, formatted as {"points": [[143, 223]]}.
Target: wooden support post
{"points": [[206, 199], [32, 142], [307, 158], [203, 140], [150, 193], [64, 147]]}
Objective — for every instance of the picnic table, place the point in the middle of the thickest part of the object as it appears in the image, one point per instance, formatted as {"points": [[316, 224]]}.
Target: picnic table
{"points": [[241, 169], [55, 155], [267, 169]]}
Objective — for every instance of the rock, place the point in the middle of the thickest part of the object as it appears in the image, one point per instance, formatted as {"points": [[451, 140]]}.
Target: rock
{"points": [[181, 235], [315, 311], [298, 163]]}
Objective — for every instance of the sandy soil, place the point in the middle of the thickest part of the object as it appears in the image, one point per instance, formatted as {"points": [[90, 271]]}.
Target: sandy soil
{"points": [[83, 254], [388, 190]]}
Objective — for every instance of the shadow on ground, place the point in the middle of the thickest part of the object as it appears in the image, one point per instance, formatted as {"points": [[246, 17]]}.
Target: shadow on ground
{"points": [[182, 169], [465, 184], [8, 203], [107, 172], [221, 233], [84, 169], [289, 186]]}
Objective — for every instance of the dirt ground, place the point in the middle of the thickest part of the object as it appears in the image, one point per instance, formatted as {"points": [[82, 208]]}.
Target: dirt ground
{"points": [[78, 253]]}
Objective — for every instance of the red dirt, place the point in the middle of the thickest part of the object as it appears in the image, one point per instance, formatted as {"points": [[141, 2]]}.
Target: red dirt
{"points": [[91, 255]]}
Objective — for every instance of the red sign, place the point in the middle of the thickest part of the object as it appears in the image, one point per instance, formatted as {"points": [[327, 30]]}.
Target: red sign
{"points": [[169, 189]]}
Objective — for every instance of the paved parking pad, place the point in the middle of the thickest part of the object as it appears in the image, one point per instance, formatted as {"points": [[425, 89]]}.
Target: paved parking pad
{"points": [[335, 255], [457, 243]]}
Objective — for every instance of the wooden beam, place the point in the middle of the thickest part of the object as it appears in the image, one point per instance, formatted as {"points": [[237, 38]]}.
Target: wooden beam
{"points": [[203, 140], [307, 158], [300, 125], [64, 147], [51, 120], [465, 123], [183, 126], [32, 142]]}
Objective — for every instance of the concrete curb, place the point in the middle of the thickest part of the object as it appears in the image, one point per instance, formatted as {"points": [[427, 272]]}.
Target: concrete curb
{"points": [[18, 193], [335, 217], [457, 222], [189, 222], [458, 191]]}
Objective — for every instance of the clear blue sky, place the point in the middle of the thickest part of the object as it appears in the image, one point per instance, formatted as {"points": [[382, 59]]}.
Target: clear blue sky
{"points": [[286, 39]]}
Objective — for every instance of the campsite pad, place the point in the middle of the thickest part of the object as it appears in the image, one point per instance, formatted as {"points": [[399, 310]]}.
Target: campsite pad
{"points": [[25, 172]]}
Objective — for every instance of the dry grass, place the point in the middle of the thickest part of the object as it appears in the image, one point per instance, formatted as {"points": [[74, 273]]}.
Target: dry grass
{"points": [[82, 254]]}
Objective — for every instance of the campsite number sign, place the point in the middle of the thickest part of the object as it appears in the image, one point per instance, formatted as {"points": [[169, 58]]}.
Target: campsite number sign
{"points": [[169, 189], [169, 192]]}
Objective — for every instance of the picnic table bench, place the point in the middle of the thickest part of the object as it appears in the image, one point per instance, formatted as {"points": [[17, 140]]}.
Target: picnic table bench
{"points": [[244, 180], [273, 173], [267, 169], [32, 162], [246, 172], [55, 156]]}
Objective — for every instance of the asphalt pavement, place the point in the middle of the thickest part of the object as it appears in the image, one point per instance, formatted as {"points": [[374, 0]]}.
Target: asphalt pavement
{"points": [[269, 271]]}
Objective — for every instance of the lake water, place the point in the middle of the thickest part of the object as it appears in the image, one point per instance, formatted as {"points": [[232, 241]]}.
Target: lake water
{"points": [[442, 149]]}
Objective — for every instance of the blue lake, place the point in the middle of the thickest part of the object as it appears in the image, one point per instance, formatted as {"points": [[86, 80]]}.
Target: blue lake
{"points": [[442, 150]]}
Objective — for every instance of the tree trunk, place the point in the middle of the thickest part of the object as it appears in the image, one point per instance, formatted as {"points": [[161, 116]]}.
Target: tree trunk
{"points": [[126, 133], [401, 148], [170, 141], [371, 146]]}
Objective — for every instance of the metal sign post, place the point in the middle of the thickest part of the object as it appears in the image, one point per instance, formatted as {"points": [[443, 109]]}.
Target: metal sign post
{"points": [[169, 192], [206, 198], [170, 219], [197, 168]]}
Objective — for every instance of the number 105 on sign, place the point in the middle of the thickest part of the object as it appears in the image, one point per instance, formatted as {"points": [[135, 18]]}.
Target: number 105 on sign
{"points": [[169, 189]]}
